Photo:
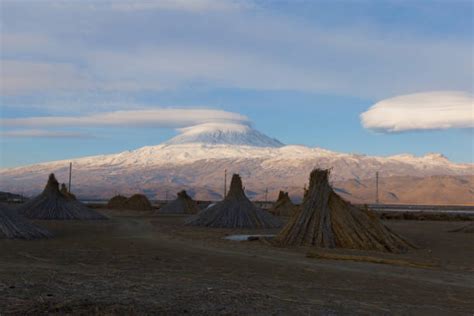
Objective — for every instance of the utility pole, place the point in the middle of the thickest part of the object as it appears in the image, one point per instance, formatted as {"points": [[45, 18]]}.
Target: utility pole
{"points": [[266, 195], [377, 188], [225, 183], [166, 196], [70, 174]]}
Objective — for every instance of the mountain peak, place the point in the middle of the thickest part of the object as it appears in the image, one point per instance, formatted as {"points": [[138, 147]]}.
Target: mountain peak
{"points": [[224, 133], [436, 156]]}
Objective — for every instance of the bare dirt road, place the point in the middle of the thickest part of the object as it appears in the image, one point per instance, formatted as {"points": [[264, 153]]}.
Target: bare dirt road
{"points": [[142, 265]]}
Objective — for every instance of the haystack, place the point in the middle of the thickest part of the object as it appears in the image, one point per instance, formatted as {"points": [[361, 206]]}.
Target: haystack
{"points": [[183, 204], [118, 202], [52, 204], [64, 191], [14, 226], [138, 202], [326, 220], [465, 229], [235, 211], [283, 206]]}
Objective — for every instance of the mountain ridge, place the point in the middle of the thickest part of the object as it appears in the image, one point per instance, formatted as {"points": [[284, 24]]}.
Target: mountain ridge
{"points": [[199, 168]]}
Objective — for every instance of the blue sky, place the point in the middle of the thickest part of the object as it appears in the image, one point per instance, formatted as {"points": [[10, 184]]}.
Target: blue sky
{"points": [[300, 71]]}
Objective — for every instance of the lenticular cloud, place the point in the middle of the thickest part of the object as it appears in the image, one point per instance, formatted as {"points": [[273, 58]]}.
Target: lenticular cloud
{"points": [[421, 111]]}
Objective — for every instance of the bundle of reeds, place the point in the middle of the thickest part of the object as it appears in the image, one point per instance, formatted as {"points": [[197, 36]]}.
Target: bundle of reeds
{"points": [[283, 206], [235, 211], [52, 204], [183, 204], [326, 220], [139, 202], [118, 202], [64, 191], [14, 226]]}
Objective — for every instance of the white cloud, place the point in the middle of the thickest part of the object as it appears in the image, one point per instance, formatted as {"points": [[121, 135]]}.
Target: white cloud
{"points": [[25, 77], [34, 133], [193, 6], [421, 111], [163, 117], [181, 5], [167, 45]]}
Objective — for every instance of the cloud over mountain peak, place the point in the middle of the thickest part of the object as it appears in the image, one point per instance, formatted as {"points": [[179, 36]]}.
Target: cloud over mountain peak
{"points": [[224, 133]]}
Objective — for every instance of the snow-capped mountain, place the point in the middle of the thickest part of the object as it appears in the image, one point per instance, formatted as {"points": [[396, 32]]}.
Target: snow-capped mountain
{"points": [[224, 133], [196, 159]]}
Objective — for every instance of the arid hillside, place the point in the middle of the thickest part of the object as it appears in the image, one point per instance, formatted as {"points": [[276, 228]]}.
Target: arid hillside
{"points": [[411, 190]]}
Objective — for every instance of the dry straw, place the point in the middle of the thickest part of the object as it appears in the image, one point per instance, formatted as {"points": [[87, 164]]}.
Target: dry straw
{"points": [[137, 202], [283, 206], [66, 192], [14, 226], [52, 204], [235, 211], [183, 204], [117, 202], [328, 221]]}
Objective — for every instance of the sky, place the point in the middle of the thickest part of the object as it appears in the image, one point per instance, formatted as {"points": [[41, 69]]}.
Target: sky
{"points": [[80, 78]]}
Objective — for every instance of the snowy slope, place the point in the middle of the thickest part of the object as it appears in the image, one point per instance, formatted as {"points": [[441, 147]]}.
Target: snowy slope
{"points": [[196, 160], [223, 133]]}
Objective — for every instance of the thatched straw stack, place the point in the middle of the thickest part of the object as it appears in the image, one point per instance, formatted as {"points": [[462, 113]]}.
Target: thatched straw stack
{"points": [[14, 226], [326, 220], [183, 204], [138, 202], [235, 211], [283, 206], [52, 204], [465, 229], [118, 202], [64, 191]]}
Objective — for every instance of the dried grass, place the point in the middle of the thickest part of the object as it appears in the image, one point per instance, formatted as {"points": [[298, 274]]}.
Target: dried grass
{"points": [[183, 204], [14, 226], [64, 191], [52, 204], [326, 220], [137, 202], [283, 206], [235, 211]]}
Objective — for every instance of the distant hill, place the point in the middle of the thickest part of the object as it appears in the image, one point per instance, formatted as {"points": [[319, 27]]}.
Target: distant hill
{"points": [[196, 160], [10, 197], [411, 190]]}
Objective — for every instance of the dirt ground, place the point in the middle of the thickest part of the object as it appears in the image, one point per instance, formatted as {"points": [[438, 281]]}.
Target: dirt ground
{"points": [[136, 264]]}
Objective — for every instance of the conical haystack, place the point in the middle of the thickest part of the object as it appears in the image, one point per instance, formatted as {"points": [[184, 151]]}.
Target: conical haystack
{"points": [[183, 204], [469, 228], [52, 204], [326, 220], [235, 211], [138, 202], [283, 206], [14, 226], [64, 191], [118, 202]]}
